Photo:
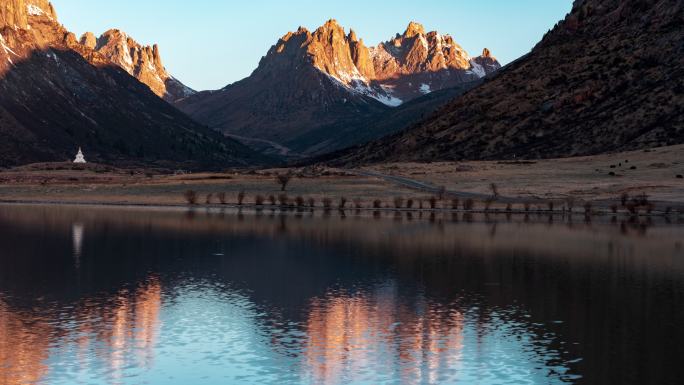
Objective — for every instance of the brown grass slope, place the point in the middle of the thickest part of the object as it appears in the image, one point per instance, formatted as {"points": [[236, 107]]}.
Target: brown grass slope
{"points": [[609, 77]]}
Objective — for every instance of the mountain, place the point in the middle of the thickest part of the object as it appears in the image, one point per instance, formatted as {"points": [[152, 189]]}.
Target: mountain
{"points": [[315, 92], [609, 77], [143, 62], [417, 63], [53, 100]]}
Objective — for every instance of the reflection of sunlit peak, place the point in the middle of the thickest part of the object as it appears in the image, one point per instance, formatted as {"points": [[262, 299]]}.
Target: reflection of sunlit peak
{"points": [[24, 346], [77, 230], [349, 331]]}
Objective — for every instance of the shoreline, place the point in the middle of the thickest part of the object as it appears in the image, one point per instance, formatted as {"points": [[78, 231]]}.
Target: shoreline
{"points": [[302, 209]]}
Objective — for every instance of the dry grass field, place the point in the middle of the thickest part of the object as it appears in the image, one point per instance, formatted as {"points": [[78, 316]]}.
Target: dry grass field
{"points": [[603, 178]]}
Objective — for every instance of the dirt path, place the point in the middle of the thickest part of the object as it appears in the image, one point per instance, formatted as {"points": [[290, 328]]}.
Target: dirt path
{"points": [[427, 187]]}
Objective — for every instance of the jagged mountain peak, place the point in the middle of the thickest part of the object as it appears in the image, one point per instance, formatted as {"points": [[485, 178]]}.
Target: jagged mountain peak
{"points": [[141, 61], [434, 61], [88, 40], [352, 36], [331, 23], [414, 29], [112, 47]]}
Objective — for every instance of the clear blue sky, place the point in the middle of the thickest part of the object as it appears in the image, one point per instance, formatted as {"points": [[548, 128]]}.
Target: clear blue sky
{"points": [[208, 44]]}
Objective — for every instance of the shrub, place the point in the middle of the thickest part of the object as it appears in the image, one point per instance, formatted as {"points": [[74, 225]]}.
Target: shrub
{"points": [[299, 201], [210, 197], [454, 203], [441, 192], [221, 197], [259, 200], [632, 207], [343, 203], [649, 207], [624, 198], [468, 204], [241, 197], [272, 200], [283, 200], [377, 204], [509, 207], [327, 203], [358, 203], [495, 190], [570, 203], [643, 200], [398, 202], [190, 197]]}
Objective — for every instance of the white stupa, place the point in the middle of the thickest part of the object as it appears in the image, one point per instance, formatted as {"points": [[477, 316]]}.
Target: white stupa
{"points": [[79, 157]]}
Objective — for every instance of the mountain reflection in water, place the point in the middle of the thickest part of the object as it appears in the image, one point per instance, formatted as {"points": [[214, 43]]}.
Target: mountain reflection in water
{"points": [[129, 296]]}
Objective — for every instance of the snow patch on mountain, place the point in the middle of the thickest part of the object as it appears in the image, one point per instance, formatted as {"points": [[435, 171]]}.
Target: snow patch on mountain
{"points": [[477, 69], [7, 50], [358, 84]]}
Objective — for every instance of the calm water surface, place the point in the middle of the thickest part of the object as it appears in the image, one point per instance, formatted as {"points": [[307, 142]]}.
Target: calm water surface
{"points": [[130, 296]]}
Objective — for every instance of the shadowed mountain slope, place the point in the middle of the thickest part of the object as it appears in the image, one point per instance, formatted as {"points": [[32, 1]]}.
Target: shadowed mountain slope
{"points": [[53, 100], [609, 77]]}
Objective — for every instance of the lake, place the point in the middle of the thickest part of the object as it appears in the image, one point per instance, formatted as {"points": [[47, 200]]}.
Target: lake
{"points": [[95, 295]]}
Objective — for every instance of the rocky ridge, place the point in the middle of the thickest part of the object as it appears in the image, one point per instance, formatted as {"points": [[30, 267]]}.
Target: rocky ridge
{"points": [[408, 66], [57, 94], [143, 62]]}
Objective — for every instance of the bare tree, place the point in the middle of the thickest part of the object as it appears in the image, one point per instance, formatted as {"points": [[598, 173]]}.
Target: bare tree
{"points": [[441, 192], [283, 180], [495, 190], [190, 197]]}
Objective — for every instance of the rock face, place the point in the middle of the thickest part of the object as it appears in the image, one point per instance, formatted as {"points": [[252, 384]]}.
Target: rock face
{"points": [[89, 40], [609, 77], [314, 91], [143, 62], [13, 14], [57, 95], [394, 72], [417, 63], [41, 8]]}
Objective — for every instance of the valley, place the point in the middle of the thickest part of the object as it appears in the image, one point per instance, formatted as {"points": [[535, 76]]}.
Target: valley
{"points": [[601, 180]]}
